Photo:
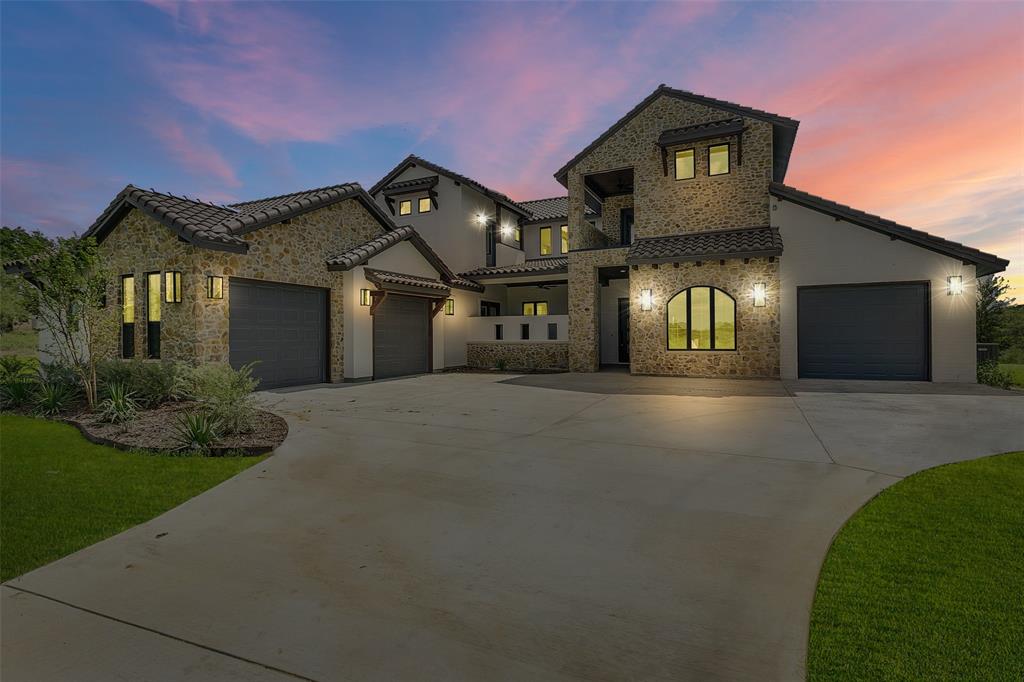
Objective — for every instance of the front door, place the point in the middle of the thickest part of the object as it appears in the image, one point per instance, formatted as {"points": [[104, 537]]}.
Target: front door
{"points": [[623, 330]]}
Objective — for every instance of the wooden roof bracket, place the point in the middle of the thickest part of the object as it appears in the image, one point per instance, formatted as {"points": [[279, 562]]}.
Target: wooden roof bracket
{"points": [[376, 298], [438, 307]]}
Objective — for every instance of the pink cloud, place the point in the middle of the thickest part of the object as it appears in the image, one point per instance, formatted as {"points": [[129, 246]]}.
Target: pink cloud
{"points": [[28, 197], [191, 150]]}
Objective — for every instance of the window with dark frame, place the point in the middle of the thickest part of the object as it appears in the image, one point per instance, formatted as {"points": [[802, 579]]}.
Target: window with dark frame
{"points": [[524, 332], [490, 309], [701, 318], [686, 167], [153, 314], [718, 159], [564, 233], [498, 332], [552, 331], [127, 316], [424, 205], [545, 241], [535, 308], [405, 207]]}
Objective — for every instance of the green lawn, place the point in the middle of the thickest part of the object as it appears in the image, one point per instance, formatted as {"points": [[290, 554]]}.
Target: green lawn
{"points": [[1016, 371], [60, 493], [926, 582], [19, 341]]}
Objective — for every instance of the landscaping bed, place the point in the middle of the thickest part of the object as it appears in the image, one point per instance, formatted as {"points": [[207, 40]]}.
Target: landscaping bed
{"points": [[156, 430]]}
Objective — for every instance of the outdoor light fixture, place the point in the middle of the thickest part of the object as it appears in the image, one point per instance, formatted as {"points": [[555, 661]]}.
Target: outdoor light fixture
{"points": [[759, 295], [214, 286], [364, 297], [449, 306], [954, 285], [506, 231], [646, 299], [172, 287], [481, 219]]}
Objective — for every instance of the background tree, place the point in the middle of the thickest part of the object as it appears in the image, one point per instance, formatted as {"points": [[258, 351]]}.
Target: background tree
{"points": [[64, 288], [16, 243], [991, 306]]}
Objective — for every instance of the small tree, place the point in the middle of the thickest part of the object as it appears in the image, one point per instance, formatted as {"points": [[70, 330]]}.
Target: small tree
{"points": [[991, 306], [16, 244], [64, 288]]}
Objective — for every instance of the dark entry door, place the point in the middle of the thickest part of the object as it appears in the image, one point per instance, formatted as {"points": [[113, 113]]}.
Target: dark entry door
{"points": [[283, 327], [626, 226], [623, 330], [401, 336], [873, 331]]}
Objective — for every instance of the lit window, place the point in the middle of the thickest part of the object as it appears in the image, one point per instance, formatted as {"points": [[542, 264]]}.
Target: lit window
{"points": [[519, 236], [718, 159], [564, 230], [172, 287], [127, 316], [153, 314], [424, 206], [702, 318], [405, 207], [535, 308], [545, 241], [684, 164]]}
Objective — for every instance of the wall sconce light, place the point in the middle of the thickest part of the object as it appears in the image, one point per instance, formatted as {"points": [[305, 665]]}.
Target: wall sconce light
{"points": [[480, 219], [646, 299], [954, 285], [364, 297], [172, 287], [506, 231], [760, 295], [214, 286], [449, 306]]}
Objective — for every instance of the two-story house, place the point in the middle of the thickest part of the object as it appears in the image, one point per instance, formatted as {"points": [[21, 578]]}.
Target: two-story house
{"points": [[677, 250]]}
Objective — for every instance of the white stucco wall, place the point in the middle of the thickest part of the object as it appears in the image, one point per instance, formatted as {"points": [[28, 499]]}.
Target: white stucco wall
{"points": [[557, 297], [820, 250], [610, 295], [531, 240]]}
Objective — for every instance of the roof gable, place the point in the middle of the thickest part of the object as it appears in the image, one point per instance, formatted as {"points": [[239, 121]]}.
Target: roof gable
{"points": [[783, 128]]}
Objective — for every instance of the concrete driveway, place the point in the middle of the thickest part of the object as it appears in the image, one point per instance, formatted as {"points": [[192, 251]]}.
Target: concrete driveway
{"points": [[457, 527]]}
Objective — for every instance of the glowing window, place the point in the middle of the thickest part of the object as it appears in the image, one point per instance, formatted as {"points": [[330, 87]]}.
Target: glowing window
{"points": [[128, 299], [535, 308], [424, 206], [685, 168], [564, 231], [718, 159], [405, 207], [545, 241], [701, 318]]}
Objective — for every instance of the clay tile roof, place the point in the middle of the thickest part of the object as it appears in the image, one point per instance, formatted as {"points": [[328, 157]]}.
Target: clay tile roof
{"points": [[553, 208], [380, 277], [412, 160], [411, 185], [700, 131], [747, 242], [220, 227], [985, 263], [367, 250], [531, 267]]}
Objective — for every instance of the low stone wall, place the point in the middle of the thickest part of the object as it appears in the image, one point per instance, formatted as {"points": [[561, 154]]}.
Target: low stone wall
{"points": [[526, 355]]}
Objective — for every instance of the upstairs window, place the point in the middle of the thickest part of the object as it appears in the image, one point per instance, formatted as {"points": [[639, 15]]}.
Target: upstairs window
{"points": [[535, 308], [405, 207], [564, 231], [685, 167], [545, 241], [718, 159], [424, 206], [701, 318]]}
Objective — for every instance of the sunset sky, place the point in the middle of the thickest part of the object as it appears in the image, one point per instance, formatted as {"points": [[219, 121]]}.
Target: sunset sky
{"points": [[914, 111]]}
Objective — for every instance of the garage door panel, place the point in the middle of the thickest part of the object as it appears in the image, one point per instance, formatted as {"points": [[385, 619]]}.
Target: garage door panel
{"points": [[282, 327], [401, 336], [877, 331]]}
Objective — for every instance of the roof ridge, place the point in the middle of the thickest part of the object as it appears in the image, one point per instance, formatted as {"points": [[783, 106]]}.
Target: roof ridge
{"points": [[325, 188], [530, 201]]}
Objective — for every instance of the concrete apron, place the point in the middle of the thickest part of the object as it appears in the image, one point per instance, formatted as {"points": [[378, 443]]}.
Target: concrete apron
{"points": [[455, 527]]}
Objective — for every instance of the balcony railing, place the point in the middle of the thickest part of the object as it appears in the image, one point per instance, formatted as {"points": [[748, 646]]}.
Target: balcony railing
{"points": [[519, 328]]}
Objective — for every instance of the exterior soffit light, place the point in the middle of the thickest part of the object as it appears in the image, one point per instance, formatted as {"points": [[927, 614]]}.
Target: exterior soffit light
{"points": [[646, 299], [214, 287], [954, 285], [760, 295]]}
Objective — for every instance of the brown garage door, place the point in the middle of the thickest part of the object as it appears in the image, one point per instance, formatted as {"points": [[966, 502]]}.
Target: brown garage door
{"points": [[401, 336]]}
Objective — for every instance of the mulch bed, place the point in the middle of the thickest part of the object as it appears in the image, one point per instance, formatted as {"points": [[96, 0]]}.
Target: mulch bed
{"points": [[155, 430]]}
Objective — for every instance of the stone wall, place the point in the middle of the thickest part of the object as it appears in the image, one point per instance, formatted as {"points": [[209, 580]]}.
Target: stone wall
{"points": [[664, 205], [757, 329], [292, 253], [584, 305], [526, 355], [611, 218]]}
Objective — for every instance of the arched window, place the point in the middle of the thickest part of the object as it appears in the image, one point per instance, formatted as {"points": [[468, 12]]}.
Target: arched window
{"points": [[701, 318]]}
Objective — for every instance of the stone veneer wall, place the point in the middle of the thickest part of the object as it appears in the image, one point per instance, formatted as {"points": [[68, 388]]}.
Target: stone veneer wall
{"points": [[293, 253], [611, 219], [757, 329], [585, 305], [526, 355], [664, 205]]}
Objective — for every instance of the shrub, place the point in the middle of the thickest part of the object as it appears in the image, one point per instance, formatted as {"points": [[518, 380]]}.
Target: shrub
{"points": [[17, 391], [13, 367], [989, 373], [500, 364], [59, 374], [52, 398], [156, 383], [113, 373], [197, 431], [226, 394], [119, 407]]}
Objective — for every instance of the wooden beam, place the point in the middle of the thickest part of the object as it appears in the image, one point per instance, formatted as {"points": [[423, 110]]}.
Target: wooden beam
{"points": [[438, 307], [376, 298], [433, 197]]}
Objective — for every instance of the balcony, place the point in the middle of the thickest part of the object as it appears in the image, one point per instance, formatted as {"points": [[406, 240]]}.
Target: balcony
{"points": [[513, 329]]}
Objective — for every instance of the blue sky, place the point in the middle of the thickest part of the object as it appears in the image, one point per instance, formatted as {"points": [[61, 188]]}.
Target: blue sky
{"points": [[234, 101]]}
